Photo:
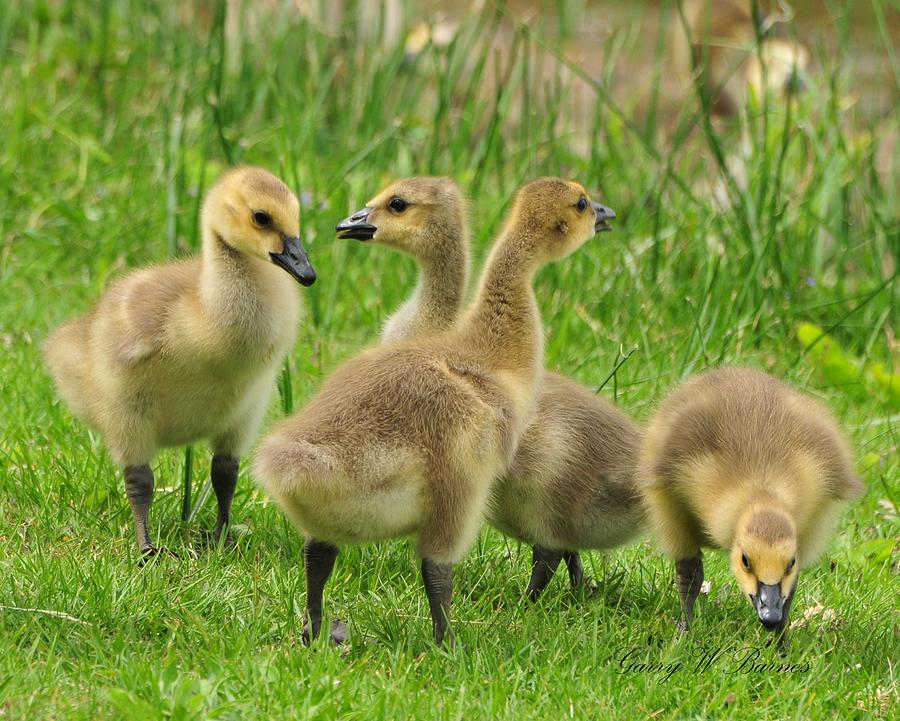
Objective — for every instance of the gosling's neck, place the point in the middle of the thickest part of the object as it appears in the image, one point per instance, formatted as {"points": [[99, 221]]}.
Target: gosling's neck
{"points": [[243, 294], [504, 323], [437, 300]]}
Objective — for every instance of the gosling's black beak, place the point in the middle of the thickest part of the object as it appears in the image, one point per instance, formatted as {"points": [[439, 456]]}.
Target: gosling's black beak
{"points": [[769, 605], [357, 226], [603, 214], [295, 261]]}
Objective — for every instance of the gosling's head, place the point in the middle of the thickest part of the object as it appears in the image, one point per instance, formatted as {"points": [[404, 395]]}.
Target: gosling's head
{"points": [[558, 216], [420, 216], [764, 560], [256, 214]]}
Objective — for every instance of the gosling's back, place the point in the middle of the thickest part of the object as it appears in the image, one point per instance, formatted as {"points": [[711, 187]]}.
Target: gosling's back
{"points": [[571, 484], [753, 424], [732, 435]]}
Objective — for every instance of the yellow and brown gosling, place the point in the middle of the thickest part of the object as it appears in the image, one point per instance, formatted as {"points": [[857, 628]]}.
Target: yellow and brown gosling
{"points": [[407, 438], [571, 484], [738, 460], [176, 353], [424, 217]]}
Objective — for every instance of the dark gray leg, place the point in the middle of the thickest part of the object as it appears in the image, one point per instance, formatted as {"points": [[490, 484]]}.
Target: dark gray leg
{"points": [[224, 480], [319, 558], [688, 579], [576, 570], [438, 579], [139, 489], [543, 565]]}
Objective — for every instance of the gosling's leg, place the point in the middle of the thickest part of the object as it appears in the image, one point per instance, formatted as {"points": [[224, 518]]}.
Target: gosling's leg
{"points": [[319, 559], [139, 489], [681, 539], [438, 580], [576, 570], [224, 477], [543, 565], [688, 579]]}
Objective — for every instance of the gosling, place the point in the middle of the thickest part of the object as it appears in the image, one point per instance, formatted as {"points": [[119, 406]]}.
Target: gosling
{"points": [[737, 460], [189, 350], [571, 484], [406, 438], [424, 217]]}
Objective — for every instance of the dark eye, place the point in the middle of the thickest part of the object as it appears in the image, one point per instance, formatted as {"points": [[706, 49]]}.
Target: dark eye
{"points": [[262, 219], [582, 204], [398, 205], [745, 561], [791, 564]]}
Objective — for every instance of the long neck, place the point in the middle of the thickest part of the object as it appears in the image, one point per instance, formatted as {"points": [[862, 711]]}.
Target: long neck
{"points": [[240, 294], [504, 324], [436, 302]]}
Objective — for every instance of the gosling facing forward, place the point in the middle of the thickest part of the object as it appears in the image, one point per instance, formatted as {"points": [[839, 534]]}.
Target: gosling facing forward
{"points": [[406, 438], [571, 484], [189, 350], [737, 460]]}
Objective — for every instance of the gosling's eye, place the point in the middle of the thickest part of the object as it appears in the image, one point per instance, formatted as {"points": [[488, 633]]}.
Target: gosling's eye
{"points": [[581, 205], [745, 562], [261, 219], [791, 564], [398, 205]]}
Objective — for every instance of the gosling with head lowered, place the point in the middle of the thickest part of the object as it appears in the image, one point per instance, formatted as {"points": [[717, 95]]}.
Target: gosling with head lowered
{"points": [[737, 460], [571, 484], [407, 438], [189, 350]]}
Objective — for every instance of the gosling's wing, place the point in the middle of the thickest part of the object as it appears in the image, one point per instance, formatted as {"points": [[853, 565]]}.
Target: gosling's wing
{"points": [[137, 312], [818, 431]]}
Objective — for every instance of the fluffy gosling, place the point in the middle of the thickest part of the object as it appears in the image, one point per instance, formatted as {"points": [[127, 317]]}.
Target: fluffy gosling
{"points": [[425, 218], [737, 460], [406, 438], [189, 350]]}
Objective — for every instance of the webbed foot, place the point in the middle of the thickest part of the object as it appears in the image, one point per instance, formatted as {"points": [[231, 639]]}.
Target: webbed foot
{"points": [[338, 634], [339, 631], [219, 536], [150, 551]]}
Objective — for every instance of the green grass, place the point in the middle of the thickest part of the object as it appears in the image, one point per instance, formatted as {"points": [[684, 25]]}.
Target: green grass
{"points": [[116, 116]]}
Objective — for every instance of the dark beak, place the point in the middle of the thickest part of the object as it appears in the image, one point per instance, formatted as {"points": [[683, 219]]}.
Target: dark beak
{"points": [[357, 226], [603, 214], [769, 605], [295, 261]]}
